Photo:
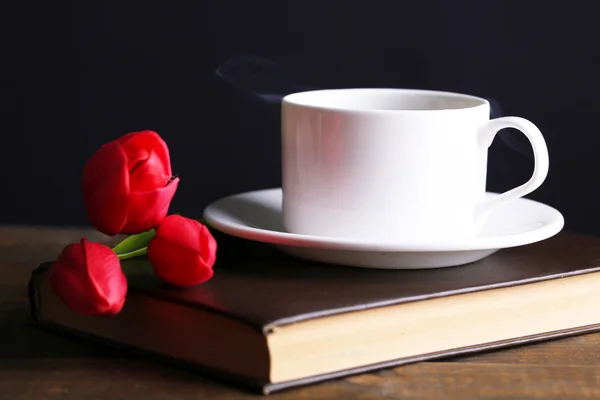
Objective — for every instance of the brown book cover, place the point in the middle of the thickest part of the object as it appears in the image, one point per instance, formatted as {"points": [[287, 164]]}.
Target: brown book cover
{"points": [[264, 291]]}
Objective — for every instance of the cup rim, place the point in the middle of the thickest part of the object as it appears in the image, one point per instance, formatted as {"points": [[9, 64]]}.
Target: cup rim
{"points": [[300, 99]]}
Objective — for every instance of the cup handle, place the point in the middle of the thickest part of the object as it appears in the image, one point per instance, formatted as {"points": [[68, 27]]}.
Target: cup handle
{"points": [[540, 154]]}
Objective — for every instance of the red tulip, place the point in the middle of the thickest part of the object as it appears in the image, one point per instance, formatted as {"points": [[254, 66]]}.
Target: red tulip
{"points": [[128, 184], [88, 278], [183, 251]]}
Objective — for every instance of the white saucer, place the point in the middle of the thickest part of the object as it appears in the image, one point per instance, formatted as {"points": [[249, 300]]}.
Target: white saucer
{"points": [[257, 216]]}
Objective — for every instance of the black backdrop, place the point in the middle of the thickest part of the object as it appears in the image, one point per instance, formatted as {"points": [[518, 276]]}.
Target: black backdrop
{"points": [[207, 75]]}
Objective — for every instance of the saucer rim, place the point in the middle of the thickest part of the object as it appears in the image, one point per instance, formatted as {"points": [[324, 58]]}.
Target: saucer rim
{"points": [[280, 238]]}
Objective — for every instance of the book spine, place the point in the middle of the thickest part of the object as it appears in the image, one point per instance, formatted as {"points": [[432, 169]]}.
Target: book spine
{"points": [[32, 291]]}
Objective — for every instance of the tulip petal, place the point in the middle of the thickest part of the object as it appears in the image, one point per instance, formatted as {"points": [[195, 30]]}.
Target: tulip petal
{"points": [[106, 277], [177, 264], [105, 185], [149, 140], [208, 247], [178, 276], [180, 231], [147, 209], [146, 167], [171, 253], [87, 277], [147, 173], [182, 252], [69, 282]]}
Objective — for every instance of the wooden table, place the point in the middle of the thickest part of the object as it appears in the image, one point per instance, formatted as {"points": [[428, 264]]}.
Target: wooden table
{"points": [[39, 365]]}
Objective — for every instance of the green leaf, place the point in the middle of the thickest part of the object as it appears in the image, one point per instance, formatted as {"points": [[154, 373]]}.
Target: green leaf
{"points": [[134, 245], [137, 253]]}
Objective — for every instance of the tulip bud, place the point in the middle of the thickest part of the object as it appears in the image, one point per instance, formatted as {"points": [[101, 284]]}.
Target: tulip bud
{"points": [[182, 252], [88, 278], [128, 184]]}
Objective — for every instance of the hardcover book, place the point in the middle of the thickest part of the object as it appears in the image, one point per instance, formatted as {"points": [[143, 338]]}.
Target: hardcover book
{"points": [[268, 321]]}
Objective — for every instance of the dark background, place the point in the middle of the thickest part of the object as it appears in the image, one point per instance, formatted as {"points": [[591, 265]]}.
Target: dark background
{"points": [[207, 75]]}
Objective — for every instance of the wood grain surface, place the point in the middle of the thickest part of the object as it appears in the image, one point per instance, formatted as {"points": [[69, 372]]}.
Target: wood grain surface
{"points": [[37, 364]]}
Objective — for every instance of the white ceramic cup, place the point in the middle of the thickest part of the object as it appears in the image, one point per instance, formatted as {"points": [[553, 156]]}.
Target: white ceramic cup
{"points": [[393, 164]]}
